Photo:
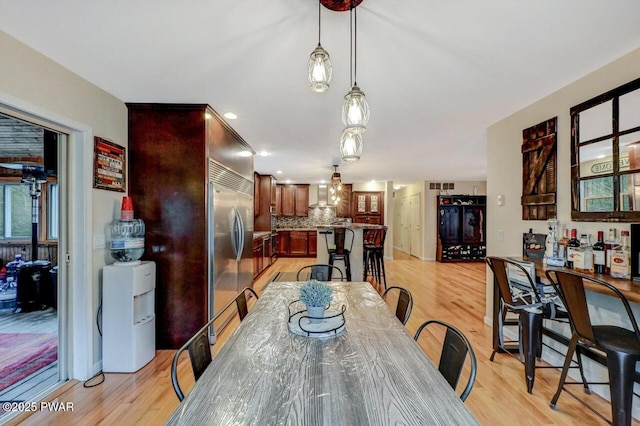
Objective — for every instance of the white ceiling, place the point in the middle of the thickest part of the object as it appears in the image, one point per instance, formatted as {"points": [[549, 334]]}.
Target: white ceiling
{"points": [[436, 73]]}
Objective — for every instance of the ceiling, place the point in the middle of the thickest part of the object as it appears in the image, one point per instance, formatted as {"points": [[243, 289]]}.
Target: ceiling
{"points": [[436, 73]]}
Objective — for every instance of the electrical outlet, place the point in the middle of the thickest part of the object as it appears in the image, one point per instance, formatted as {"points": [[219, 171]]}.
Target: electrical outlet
{"points": [[500, 235], [99, 242]]}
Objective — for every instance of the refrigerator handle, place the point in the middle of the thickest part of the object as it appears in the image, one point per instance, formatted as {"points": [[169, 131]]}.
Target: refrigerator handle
{"points": [[234, 234], [240, 235]]}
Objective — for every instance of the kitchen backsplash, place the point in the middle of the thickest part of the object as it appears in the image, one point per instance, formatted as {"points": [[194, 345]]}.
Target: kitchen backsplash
{"points": [[317, 216]]}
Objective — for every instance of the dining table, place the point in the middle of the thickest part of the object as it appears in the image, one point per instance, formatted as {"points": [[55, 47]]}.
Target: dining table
{"points": [[367, 371]]}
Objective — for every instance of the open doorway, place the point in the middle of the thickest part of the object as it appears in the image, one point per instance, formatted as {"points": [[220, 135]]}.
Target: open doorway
{"points": [[29, 240]]}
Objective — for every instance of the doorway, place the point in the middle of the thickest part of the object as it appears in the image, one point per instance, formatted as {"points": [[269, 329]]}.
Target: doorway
{"points": [[405, 236], [415, 228], [30, 233]]}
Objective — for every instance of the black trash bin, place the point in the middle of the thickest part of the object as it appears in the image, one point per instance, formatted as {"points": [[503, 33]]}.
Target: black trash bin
{"points": [[34, 286]]}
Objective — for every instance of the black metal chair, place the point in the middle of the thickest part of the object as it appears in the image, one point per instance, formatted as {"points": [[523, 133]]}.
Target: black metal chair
{"points": [[373, 255], [532, 303], [320, 272], [198, 345], [621, 345], [341, 248], [404, 303], [452, 358]]}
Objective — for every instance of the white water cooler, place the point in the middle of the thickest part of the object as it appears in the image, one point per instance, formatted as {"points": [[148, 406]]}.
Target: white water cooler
{"points": [[128, 316]]}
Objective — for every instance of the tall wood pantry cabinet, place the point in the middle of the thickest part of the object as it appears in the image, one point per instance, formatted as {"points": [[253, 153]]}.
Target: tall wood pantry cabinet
{"points": [[170, 148], [461, 228]]}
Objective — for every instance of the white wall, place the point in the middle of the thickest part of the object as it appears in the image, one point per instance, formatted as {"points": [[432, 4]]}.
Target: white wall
{"points": [[37, 86]]}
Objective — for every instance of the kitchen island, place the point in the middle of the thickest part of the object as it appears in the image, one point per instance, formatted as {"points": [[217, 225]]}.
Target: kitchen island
{"points": [[357, 252]]}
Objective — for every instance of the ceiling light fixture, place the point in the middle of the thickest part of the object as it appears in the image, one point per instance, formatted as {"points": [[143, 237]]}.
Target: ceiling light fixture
{"points": [[336, 185], [355, 109], [319, 65], [350, 146], [230, 116]]}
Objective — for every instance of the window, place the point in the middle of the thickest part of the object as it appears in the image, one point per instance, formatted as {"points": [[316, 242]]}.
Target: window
{"points": [[16, 211], [52, 211], [605, 156]]}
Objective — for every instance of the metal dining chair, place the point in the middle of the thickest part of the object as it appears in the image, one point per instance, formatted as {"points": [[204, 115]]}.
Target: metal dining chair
{"points": [[455, 348], [320, 272], [198, 345], [620, 344], [404, 303]]}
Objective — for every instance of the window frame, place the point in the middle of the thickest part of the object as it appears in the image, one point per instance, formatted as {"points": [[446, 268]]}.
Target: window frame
{"points": [[617, 215], [44, 207]]}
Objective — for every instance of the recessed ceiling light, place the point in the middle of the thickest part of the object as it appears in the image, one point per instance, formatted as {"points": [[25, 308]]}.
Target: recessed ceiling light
{"points": [[396, 187], [230, 115], [279, 172], [288, 181], [321, 180], [263, 153], [245, 153]]}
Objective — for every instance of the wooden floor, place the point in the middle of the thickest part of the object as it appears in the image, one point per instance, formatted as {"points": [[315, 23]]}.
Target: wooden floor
{"points": [[451, 292]]}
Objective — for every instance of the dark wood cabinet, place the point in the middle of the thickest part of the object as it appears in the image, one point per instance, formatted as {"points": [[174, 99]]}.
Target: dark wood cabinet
{"points": [[298, 243], [368, 207], [258, 253], [256, 194], [461, 228], [283, 243], [312, 243], [169, 150], [266, 193], [294, 200]]}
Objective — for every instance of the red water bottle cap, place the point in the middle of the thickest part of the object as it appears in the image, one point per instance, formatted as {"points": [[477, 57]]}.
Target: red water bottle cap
{"points": [[126, 211]]}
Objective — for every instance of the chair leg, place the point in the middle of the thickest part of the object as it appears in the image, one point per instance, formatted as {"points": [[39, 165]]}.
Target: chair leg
{"points": [[384, 275], [565, 368], [347, 267], [531, 323], [621, 367], [584, 379]]}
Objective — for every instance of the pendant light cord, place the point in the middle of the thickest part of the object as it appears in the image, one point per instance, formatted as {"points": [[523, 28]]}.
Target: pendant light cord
{"points": [[319, 4], [355, 46], [351, 44]]}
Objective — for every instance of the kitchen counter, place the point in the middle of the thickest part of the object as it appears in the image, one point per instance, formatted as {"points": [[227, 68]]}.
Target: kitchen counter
{"points": [[261, 234], [312, 228], [352, 226]]}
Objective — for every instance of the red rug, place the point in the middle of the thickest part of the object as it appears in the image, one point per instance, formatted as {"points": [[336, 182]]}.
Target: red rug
{"points": [[22, 354]]}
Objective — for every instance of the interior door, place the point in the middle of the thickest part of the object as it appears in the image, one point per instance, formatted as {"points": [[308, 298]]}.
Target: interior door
{"points": [[405, 235], [416, 229]]}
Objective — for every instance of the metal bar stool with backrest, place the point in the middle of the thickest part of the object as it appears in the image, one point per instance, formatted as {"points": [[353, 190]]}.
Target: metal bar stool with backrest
{"points": [[198, 345], [455, 348], [404, 302], [520, 295], [341, 248], [320, 272], [621, 345], [373, 255]]}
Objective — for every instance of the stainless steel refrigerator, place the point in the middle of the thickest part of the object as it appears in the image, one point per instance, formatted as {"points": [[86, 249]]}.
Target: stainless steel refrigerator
{"points": [[230, 234]]}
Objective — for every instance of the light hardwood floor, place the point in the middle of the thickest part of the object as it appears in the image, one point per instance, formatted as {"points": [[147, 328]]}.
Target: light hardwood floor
{"points": [[451, 292]]}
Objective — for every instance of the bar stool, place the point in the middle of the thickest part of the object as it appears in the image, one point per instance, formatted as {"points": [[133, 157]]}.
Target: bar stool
{"points": [[373, 255], [621, 345], [342, 246]]}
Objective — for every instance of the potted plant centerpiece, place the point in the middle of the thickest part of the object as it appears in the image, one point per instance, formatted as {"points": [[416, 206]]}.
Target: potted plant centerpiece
{"points": [[317, 296]]}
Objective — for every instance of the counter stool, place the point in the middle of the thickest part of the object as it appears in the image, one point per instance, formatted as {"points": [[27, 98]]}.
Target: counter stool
{"points": [[373, 255], [341, 249], [620, 344]]}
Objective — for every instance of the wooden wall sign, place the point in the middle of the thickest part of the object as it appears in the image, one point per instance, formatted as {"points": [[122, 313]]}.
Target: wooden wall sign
{"points": [[109, 166], [539, 165]]}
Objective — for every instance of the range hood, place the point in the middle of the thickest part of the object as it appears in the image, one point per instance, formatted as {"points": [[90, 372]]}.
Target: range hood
{"points": [[323, 197]]}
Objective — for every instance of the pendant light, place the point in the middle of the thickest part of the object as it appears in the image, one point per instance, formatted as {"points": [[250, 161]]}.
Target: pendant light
{"points": [[355, 109], [350, 146], [336, 185], [319, 65]]}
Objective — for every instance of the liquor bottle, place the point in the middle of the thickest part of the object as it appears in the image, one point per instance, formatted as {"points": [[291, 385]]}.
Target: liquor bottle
{"points": [[583, 255], [620, 258], [599, 259], [609, 244], [572, 246], [562, 244]]}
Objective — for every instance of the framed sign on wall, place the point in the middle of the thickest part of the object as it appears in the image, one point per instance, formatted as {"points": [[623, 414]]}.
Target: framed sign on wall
{"points": [[109, 165]]}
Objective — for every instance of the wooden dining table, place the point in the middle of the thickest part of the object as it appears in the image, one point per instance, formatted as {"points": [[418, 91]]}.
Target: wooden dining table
{"points": [[371, 372]]}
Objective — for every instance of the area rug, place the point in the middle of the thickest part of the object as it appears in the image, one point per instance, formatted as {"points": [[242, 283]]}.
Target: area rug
{"points": [[22, 354]]}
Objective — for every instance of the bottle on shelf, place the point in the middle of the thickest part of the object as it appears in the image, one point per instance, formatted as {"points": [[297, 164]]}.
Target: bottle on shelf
{"points": [[583, 255], [572, 245], [562, 244], [621, 258], [609, 244], [599, 259]]}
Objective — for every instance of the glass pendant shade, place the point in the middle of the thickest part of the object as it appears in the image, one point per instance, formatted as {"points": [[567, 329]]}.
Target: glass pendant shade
{"points": [[355, 111], [350, 146], [319, 70]]}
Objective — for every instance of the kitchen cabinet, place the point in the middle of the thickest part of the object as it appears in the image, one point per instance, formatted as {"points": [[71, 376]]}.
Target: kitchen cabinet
{"points": [[258, 252], [283, 243], [298, 243], [343, 209], [256, 194], [279, 200], [266, 193], [176, 154], [461, 228], [312, 243], [294, 200], [367, 207]]}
